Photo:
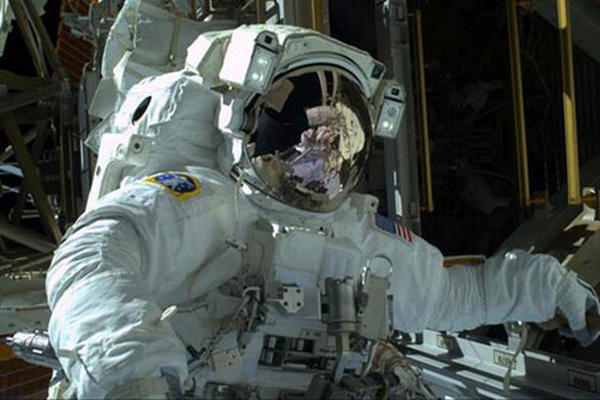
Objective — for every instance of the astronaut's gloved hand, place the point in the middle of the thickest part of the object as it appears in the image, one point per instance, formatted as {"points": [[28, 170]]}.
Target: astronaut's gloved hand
{"points": [[574, 300]]}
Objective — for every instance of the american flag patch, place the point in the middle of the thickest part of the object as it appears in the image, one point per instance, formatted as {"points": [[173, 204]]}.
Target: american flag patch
{"points": [[393, 227]]}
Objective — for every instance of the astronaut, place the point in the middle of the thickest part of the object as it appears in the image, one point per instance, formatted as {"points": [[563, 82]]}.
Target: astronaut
{"points": [[257, 270]]}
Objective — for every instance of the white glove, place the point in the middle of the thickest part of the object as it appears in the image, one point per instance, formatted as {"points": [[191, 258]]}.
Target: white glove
{"points": [[515, 286], [574, 300]]}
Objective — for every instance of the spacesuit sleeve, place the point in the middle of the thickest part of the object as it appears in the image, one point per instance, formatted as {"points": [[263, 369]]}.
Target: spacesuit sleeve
{"points": [[105, 326], [515, 286]]}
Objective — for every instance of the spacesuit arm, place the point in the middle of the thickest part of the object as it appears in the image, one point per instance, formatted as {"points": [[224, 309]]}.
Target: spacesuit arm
{"points": [[105, 327], [516, 286]]}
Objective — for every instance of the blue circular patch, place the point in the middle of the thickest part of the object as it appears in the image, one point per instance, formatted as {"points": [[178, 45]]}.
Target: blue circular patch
{"points": [[177, 183], [180, 185]]}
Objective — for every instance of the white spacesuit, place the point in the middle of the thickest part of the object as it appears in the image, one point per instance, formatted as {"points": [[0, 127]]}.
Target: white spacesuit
{"points": [[249, 279]]}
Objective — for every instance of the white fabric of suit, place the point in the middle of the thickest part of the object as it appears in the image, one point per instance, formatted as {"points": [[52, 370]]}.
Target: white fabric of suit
{"points": [[140, 249]]}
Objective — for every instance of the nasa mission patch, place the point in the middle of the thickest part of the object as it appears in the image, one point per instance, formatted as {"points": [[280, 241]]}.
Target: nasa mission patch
{"points": [[178, 184]]}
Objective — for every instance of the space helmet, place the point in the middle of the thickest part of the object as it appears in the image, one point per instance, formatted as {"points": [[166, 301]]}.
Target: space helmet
{"points": [[299, 109], [309, 137]]}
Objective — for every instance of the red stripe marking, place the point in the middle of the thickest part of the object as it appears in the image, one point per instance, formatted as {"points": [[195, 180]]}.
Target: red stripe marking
{"points": [[403, 231]]}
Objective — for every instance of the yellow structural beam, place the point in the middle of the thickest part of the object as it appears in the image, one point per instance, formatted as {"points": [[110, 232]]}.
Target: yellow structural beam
{"points": [[570, 118], [426, 156], [518, 102], [260, 11], [316, 13]]}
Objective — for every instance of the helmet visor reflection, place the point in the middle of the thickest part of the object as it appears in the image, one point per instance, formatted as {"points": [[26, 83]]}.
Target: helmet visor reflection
{"points": [[311, 139]]}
